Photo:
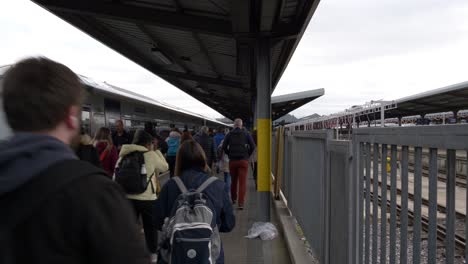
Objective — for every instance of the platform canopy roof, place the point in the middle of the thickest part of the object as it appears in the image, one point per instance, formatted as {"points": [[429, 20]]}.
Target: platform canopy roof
{"points": [[204, 47], [446, 99], [284, 104]]}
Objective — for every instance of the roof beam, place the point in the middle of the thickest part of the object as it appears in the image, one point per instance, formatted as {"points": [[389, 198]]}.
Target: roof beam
{"points": [[458, 95], [440, 106], [105, 36], [164, 47], [144, 15], [205, 52]]}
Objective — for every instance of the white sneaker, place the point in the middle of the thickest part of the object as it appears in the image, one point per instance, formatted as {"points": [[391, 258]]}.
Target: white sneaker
{"points": [[154, 258]]}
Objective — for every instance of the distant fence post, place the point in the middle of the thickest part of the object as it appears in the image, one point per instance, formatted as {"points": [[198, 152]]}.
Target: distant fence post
{"points": [[279, 161]]}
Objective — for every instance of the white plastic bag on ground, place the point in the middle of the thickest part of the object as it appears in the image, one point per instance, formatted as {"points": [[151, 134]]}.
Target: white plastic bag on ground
{"points": [[264, 230]]}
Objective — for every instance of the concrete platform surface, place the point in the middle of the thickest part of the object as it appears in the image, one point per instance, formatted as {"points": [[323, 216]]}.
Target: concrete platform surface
{"points": [[239, 249]]}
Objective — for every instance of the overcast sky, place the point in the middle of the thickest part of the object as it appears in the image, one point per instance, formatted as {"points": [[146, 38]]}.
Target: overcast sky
{"points": [[357, 50]]}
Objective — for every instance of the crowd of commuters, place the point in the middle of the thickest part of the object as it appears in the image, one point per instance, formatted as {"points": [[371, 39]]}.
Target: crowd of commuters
{"points": [[98, 194]]}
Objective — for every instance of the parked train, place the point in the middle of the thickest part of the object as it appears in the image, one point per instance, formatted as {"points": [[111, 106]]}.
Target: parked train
{"points": [[106, 104]]}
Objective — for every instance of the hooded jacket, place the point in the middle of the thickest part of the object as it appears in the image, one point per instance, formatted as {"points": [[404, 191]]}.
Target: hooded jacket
{"points": [[86, 221], [218, 138], [155, 164], [173, 142]]}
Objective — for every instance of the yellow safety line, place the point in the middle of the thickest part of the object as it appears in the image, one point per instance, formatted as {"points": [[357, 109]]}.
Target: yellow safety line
{"points": [[264, 154]]}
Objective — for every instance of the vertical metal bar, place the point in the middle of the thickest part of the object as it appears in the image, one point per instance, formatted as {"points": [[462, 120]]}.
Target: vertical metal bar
{"points": [[393, 206], [404, 206], [375, 198], [368, 190], [466, 211], [417, 206], [361, 202], [450, 214], [432, 243], [383, 209]]}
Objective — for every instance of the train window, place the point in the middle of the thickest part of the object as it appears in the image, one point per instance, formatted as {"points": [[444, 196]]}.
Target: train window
{"points": [[111, 105], [128, 123], [140, 109], [98, 122], [86, 120]]}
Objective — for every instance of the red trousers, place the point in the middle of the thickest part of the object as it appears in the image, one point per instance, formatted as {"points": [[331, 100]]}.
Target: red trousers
{"points": [[239, 170]]}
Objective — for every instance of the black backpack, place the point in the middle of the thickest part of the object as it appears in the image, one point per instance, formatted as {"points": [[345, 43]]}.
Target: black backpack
{"points": [[238, 145], [35, 194], [131, 173]]}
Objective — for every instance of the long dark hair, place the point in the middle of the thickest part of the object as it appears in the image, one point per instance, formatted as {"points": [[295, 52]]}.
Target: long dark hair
{"points": [[104, 133], [190, 156], [186, 136]]}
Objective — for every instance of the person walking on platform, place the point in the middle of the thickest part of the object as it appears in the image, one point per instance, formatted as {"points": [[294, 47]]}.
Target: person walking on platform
{"points": [[173, 142], [152, 163], [120, 136], [186, 135], [238, 145], [56, 208], [207, 143], [86, 151], [191, 170], [219, 136], [224, 167], [108, 153]]}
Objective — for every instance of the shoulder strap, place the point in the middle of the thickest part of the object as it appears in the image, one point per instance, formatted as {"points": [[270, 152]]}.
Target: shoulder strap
{"points": [[207, 183], [37, 191], [180, 184]]}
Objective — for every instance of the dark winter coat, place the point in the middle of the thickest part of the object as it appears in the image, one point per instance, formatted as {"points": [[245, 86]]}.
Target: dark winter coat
{"points": [[250, 142], [89, 220], [88, 153], [208, 145]]}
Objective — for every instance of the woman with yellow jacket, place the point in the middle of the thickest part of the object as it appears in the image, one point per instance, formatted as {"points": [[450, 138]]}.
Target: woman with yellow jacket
{"points": [[143, 203]]}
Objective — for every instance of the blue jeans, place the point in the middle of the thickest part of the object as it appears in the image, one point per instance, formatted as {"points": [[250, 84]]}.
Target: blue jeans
{"points": [[227, 182]]}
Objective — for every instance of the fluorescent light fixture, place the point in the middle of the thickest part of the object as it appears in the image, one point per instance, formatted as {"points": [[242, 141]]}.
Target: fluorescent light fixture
{"points": [[160, 55], [201, 90]]}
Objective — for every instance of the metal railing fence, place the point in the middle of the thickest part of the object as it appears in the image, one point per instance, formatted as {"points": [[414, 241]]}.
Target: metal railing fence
{"points": [[390, 195]]}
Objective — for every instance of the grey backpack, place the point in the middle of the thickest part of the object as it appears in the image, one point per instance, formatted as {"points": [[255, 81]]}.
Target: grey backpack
{"points": [[190, 234]]}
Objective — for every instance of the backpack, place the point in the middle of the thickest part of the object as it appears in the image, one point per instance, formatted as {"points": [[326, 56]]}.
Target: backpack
{"points": [[41, 188], [131, 174], [238, 145], [191, 234]]}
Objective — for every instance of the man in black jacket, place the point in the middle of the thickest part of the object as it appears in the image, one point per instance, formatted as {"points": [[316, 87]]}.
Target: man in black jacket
{"points": [[208, 144], [121, 136], [238, 145], [55, 208]]}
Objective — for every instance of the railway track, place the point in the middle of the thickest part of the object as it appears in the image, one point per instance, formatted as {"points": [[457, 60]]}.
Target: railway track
{"points": [[441, 230], [424, 201], [460, 178]]}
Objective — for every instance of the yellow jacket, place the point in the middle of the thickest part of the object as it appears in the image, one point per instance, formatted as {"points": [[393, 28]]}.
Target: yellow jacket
{"points": [[155, 164]]}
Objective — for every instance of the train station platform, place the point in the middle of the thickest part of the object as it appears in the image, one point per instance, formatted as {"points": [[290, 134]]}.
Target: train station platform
{"points": [[239, 249]]}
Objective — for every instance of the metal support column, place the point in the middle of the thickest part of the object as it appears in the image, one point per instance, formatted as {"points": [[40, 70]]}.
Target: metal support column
{"points": [[382, 115], [455, 116], [263, 115]]}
